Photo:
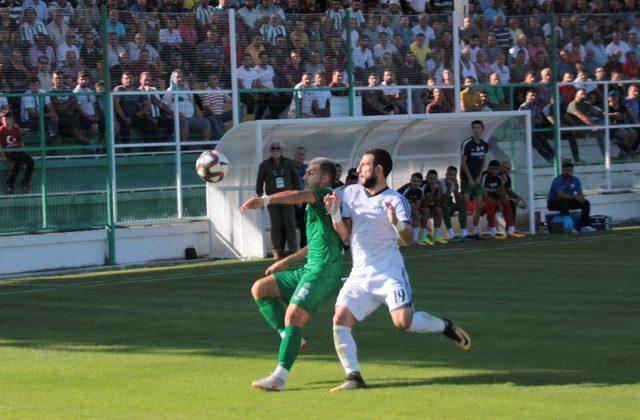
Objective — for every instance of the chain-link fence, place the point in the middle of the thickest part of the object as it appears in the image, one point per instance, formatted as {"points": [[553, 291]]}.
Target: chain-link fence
{"points": [[115, 104]]}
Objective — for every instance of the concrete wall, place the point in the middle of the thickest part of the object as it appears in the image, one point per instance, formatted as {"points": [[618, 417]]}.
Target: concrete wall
{"points": [[50, 251]]}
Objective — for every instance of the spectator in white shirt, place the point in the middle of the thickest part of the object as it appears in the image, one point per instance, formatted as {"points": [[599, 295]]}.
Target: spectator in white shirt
{"points": [[502, 69], [575, 48], [521, 45], [362, 59], [303, 98], [393, 94], [599, 49], [264, 80], [617, 44], [68, 45], [57, 28], [140, 43], [383, 46], [321, 102], [249, 14], [169, 39], [423, 28], [247, 77]]}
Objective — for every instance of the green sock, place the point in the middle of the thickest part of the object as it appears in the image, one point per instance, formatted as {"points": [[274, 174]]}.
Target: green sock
{"points": [[273, 311], [290, 346]]}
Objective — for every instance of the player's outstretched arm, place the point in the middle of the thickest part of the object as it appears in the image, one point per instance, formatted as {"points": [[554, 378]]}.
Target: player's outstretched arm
{"points": [[341, 226], [294, 258], [404, 230], [284, 197]]}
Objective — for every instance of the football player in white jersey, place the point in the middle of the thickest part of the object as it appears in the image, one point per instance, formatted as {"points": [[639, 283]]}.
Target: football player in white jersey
{"points": [[374, 217]]}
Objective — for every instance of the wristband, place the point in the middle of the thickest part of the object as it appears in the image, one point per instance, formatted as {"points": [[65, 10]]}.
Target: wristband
{"points": [[399, 226], [265, 200], [334, 212]]}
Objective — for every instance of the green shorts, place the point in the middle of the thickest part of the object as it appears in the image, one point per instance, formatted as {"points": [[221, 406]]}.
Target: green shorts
{"points": [[473, 192], [309, 288]]}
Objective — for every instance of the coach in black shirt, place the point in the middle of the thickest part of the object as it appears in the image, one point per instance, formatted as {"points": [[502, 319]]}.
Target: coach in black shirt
{"points": [[277, 174]]}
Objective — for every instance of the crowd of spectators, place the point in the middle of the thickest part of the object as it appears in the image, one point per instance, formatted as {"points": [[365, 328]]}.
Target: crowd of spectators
{"points": [[55, 46]]}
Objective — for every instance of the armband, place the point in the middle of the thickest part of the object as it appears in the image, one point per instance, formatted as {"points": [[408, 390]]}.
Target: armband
{"points": [[334, 212]]}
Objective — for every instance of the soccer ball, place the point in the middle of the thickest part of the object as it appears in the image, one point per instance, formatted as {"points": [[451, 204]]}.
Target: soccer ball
{"points": [[212, 166]]}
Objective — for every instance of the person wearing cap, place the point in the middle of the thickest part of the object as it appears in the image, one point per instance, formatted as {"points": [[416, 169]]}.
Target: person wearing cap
{"points": [[276, 174]]}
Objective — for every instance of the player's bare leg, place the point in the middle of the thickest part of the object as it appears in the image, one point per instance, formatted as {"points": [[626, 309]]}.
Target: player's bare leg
{"points": [[343, 321], [295, 319], [425, 214], [423, 322]]}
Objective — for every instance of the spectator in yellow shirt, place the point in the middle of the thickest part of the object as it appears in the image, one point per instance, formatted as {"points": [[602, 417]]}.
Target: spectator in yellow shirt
{"points": [[469, 97], [418, 47]]}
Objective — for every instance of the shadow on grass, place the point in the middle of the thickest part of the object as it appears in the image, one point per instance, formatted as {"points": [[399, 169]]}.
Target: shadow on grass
{"points": [[537, 328]]}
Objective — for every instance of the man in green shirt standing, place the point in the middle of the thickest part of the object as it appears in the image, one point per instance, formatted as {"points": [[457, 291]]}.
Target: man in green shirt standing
{"points": [[305, 289]]}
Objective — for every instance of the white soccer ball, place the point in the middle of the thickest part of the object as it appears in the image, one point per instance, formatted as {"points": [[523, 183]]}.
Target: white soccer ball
{"points": [[212, 166]]}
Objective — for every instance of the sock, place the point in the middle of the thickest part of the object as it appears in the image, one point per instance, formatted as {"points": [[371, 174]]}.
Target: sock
{"points": [[476, 230], [436, 232], [511, 229], [416, 232], [451, 233], [289, 346], [273, 311], [280, 373], [464, 232], [346, 348], [424, 322], [423, 233], [493, 231]]}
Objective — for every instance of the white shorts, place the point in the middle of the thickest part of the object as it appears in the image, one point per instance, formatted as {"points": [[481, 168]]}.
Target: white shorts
{"points": [[363, 295]]}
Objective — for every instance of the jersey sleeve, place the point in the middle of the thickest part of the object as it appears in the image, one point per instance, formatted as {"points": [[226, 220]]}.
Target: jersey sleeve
{"points": [[403, 209], [464, 150], [346, 202]]}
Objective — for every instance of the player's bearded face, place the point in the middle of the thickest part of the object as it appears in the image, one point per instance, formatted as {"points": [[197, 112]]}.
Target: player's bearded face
{"points": [[366, 173]]}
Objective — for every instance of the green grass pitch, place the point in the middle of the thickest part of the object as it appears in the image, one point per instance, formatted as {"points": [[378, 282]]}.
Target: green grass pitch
{"points": [[555, 323]]}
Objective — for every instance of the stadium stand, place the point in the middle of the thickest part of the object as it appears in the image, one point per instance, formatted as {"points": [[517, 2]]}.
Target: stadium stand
{"points": [[506, 49]]}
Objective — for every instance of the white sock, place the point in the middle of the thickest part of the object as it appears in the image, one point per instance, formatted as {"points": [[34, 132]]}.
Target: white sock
{"points": [[346, 348], [464, 232], [280, 373], [451, 233], [476, 230], [423, 233], [511, 229], [436, 232], [416, 232], [493, 231], [424, 322]]}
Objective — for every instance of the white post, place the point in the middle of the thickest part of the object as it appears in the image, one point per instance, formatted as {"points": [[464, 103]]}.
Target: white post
{"points": [[409, 101], [176, 129], [233, 60], [531, 198], [257, 163], [456, 61], [607, 137], [112, 146]]}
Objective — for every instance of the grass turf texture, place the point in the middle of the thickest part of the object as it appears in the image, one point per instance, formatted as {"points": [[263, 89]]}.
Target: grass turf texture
{"points": [[554, 321]]}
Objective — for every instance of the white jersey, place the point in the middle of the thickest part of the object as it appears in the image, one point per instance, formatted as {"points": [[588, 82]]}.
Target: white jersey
{"points": [[374, 241]]}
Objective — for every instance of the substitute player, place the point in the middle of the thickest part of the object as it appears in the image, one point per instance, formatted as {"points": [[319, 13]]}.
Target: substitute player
{"points": [[375, 217], [472, 155], [413, 193], [306, 288], [494, 196]]}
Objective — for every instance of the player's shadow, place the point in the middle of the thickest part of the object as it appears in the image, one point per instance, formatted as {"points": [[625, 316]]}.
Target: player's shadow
{"points": [[526, 334]]}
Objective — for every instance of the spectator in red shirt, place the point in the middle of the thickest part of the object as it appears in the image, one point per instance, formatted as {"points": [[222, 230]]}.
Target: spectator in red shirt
{"points": [[11, 138], [631, 66]]}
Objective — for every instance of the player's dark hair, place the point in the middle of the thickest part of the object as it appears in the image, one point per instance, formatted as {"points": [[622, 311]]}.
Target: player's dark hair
{"points": [[383, 158], [432, 172], [567, 165], [478, 122], [326, 167], [494, 163], [338, 166], [417, 175], [452, 168], [352, 171], [352, 177]]}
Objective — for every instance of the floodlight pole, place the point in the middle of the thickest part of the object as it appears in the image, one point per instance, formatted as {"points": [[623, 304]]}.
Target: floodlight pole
{"points": [[456, 61], [233, 58]]}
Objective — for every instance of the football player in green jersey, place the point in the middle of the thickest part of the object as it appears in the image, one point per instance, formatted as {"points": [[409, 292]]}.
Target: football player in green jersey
{"points": [[305, 289]]}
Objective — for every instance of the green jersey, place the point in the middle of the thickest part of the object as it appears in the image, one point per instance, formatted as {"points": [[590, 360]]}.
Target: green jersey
{"points": [[324, 244]]}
